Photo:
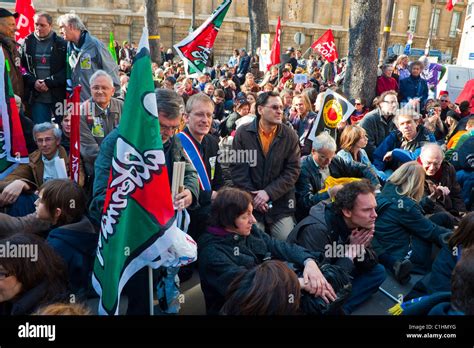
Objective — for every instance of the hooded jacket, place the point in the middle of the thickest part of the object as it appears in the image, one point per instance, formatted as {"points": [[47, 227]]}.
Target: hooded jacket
{"points": [[76, 243]]}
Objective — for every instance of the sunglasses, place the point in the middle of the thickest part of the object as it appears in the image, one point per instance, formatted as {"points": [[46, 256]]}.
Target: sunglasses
{"points": [[274, 107]]}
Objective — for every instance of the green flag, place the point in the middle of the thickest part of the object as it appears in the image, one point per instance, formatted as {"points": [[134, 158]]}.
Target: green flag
{"points": [[137, 221], [112, 47], [195, 49]]}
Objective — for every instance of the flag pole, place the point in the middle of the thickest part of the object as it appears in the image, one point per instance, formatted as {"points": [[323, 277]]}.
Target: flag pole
{"points": [[150, 286]]}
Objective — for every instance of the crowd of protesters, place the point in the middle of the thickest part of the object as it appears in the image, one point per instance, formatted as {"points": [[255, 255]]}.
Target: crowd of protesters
{"points": [[321, 222]]}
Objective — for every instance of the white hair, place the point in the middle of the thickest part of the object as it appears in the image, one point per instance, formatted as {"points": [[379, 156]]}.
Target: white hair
{"points": [[100, 73], [44, 127], [324, 141], [430, 148], [71, 19]]}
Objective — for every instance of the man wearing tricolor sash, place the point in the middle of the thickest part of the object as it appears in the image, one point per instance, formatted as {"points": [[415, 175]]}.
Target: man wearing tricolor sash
{"points": [[202, 150]]}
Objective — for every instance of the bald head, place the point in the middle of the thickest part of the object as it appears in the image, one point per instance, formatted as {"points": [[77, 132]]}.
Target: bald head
{"points": [[431, 157]]}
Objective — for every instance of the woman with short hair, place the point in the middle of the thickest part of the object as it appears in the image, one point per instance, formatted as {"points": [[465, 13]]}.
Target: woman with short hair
{"points": [[63, 203], [233, 245]]}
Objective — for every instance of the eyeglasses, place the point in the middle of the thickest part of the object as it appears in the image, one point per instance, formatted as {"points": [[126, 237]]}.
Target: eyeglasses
{"points": [[4, 275], [169, 128], [443, 101], [357, 104], [274, 107], [390, 102]]}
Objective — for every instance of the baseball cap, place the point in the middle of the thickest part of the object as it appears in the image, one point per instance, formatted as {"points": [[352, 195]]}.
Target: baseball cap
{"points": [[5, 13], [290, 49]]}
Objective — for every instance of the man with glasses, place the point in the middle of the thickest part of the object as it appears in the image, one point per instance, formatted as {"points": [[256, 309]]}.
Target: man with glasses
{"points": [[317, 167], [272, 175], [446, 105], [378, 123], [100, 114], [17, 189], [170, 112], [441, 186]]}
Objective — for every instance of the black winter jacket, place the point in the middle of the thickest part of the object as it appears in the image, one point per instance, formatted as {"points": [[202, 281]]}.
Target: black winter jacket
{"points": [[223, 258], [309, 181], [57, 81], [321, 229]]}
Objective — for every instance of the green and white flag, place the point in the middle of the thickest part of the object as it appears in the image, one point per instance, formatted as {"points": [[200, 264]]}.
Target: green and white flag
{"points": [[137, 224], [112, 47], [196, 48]]}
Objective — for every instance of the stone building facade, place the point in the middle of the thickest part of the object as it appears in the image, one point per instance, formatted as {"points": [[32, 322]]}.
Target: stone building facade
{"points": [[311, 17]]}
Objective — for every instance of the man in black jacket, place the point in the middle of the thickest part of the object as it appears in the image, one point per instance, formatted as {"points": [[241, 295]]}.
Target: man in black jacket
{"points": [[343, 231], [198, 118], [44, 58], [267, 164], [317, 167]]}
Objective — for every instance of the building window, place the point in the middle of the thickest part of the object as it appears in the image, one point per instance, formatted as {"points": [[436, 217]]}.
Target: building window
{"points": [[434, 22], [454, 24], [413, 19]]}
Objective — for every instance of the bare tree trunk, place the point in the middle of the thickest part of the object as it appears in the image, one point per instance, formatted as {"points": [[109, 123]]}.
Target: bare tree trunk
{"points": [[151, 21], [361, 74], [258, 15]]}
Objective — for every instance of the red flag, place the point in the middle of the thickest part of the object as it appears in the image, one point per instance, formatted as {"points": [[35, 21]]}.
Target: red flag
{"points": [[73, 104], [275, 53], [24, 23], [326, 46], [450, 4]]}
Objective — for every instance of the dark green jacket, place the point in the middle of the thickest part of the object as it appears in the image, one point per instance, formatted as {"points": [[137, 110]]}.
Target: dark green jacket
{"points": [[104, 163]]}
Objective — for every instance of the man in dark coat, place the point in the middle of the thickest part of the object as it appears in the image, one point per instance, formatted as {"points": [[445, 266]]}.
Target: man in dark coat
{"points": [[315, 169], [271, 167], [44, 59], [378, 123], [198, 118], [440, 184], [343, 231]]}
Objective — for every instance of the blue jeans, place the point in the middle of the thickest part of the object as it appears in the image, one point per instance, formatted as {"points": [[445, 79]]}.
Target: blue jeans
{"points": [[24, 205], [42, 112], [364, 285]]}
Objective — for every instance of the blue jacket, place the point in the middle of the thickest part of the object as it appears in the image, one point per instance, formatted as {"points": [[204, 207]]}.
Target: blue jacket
{"points": [[401, 154], [411, 88], [76, 244], [400, 217], [243, 67]]}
